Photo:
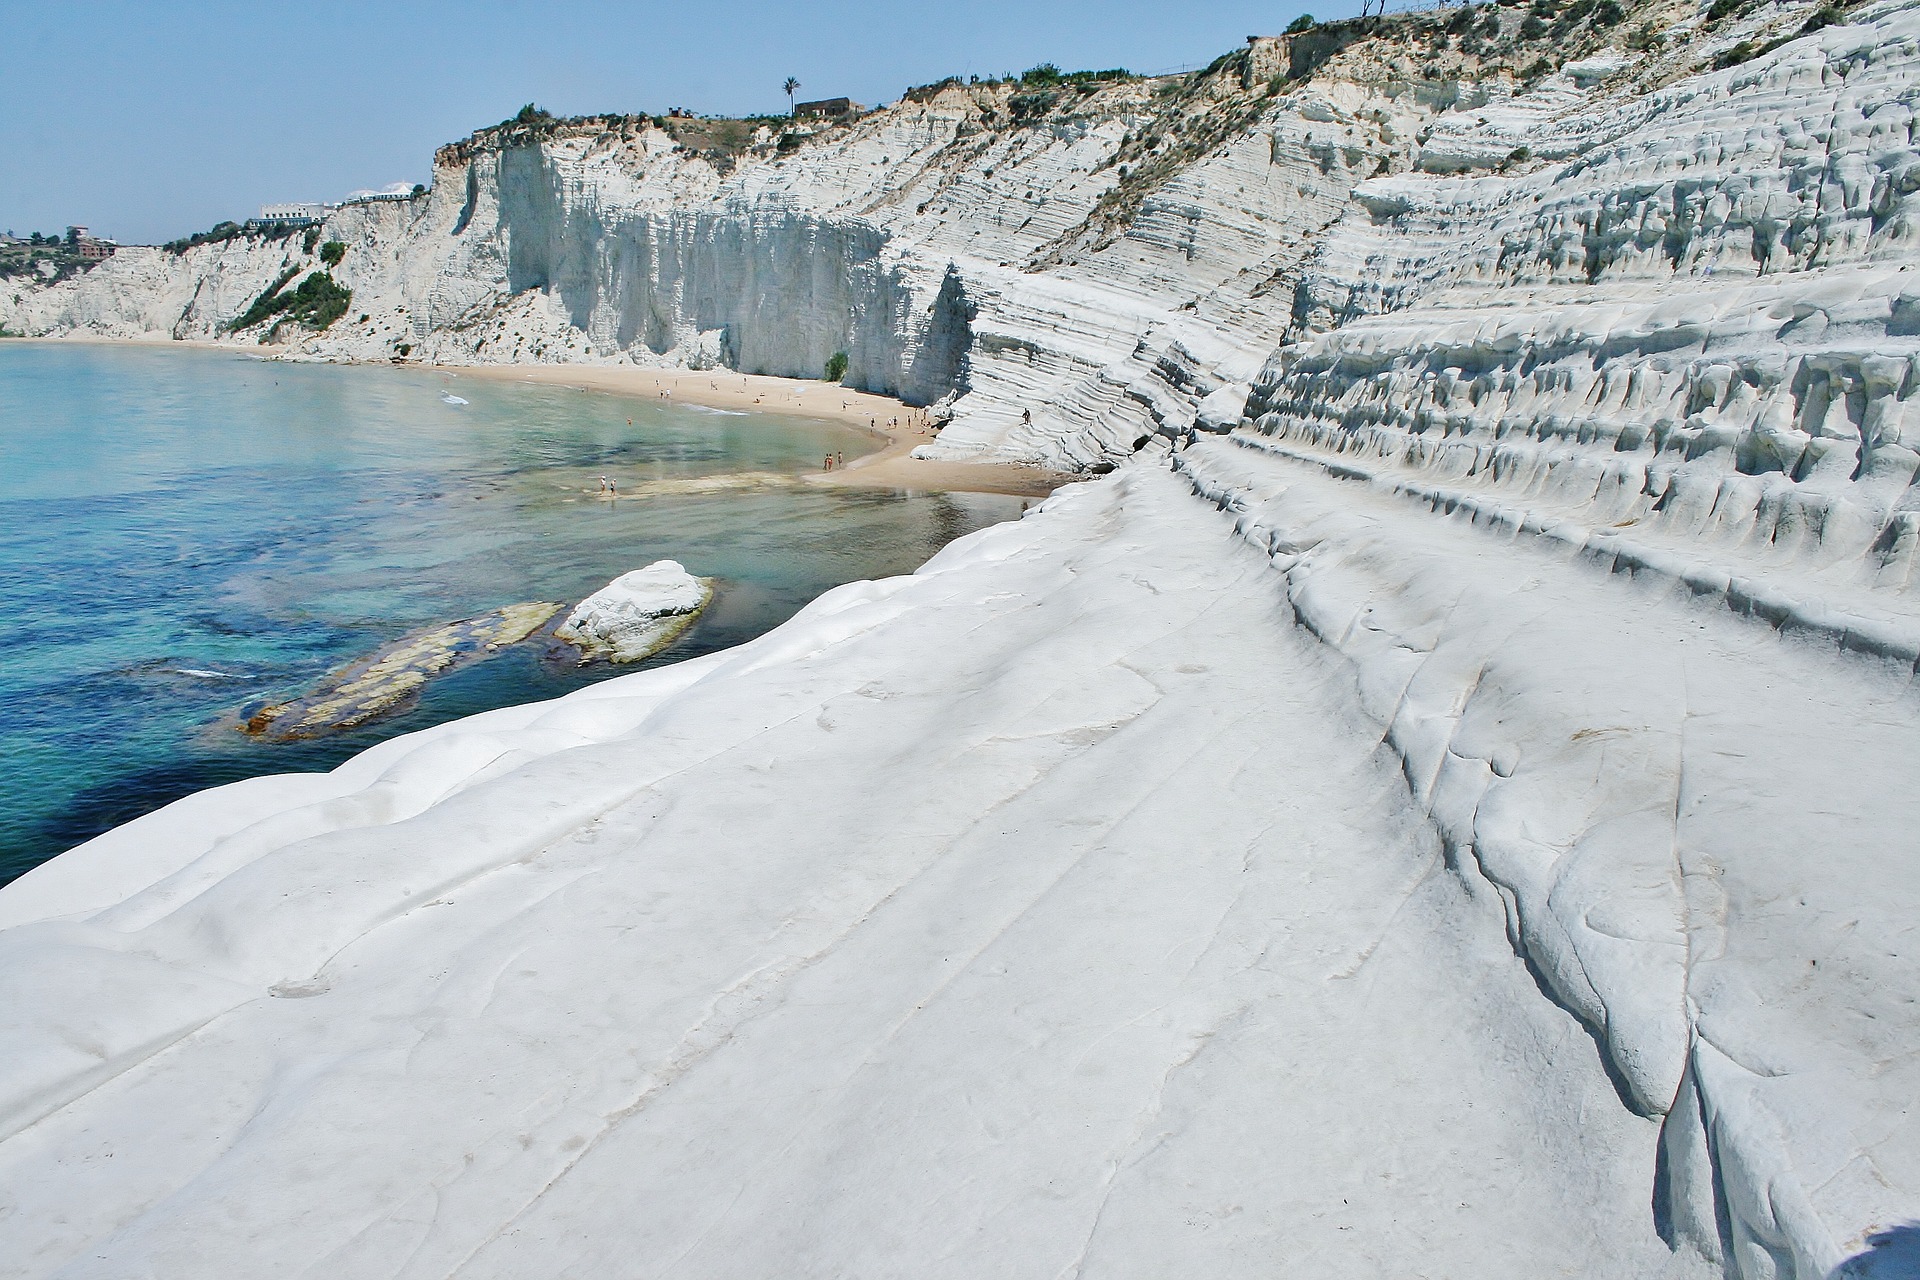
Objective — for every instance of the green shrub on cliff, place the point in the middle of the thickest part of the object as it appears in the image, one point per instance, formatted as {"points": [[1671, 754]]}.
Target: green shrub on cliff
{"points": [[264, 305], [1030, 106], [836, 366], [319, 301], [316, 302], [331, 252]]}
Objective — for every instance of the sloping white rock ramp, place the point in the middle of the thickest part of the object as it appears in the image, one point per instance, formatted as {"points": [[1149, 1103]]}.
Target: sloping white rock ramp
{"points": [[1057, 910]]}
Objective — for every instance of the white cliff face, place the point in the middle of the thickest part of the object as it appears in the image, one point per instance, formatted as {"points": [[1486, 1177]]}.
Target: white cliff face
{"points": [[967, 248], [1077, 280], [1454, 818]]}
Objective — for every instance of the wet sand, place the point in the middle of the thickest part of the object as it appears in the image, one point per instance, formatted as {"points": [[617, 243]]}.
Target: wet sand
{"points": [[891, 466]]}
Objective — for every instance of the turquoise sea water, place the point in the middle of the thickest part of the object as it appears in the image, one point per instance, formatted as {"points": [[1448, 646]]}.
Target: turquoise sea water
{"points": [[183, 532]]}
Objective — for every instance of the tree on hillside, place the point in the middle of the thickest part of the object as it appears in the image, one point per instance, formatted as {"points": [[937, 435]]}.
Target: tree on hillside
{"points": [[790, 86]]}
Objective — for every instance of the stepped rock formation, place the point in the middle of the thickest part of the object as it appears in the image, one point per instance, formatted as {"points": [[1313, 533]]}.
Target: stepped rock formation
{"points": [[1454, 818]]}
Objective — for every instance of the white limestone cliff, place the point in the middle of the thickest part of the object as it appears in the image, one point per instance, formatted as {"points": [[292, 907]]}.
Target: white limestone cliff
{"points": [[1452, 818]]}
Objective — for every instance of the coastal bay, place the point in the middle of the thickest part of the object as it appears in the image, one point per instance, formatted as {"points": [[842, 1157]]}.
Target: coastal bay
{"points": [[192, 534], [892, 466]]}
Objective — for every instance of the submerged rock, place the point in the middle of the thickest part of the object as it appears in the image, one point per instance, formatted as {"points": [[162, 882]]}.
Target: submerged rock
{"points": [[377, 685], [637, 614]]}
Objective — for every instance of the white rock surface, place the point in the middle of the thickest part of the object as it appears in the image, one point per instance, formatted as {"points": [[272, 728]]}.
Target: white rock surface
{"points": [[852, 951], [636, 614], [1458, 823]]}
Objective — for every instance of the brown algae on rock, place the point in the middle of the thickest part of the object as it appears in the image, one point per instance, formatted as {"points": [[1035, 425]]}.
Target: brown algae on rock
{"points": [[377, 685]]}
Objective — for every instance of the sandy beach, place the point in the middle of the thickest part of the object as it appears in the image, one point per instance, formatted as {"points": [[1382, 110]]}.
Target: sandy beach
{"points": [[891, 466]]}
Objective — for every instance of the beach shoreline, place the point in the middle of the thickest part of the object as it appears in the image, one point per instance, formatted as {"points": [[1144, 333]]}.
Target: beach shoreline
{"points": [[890, 466]]}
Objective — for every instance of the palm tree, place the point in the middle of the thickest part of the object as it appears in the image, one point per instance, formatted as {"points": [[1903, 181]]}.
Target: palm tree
{"points": [[790, 86]]}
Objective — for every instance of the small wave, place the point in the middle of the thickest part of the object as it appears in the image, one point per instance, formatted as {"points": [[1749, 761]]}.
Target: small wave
{"points": [[450, 398], [204, 674], [725, 413]]}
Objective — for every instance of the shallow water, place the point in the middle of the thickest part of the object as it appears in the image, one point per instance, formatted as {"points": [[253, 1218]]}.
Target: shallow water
{"points": [[183, 532]]}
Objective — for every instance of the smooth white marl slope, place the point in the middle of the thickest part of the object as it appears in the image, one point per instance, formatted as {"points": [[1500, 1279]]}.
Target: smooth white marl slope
{"points": [[850, 952], [1214, 906], [1700, 825]]}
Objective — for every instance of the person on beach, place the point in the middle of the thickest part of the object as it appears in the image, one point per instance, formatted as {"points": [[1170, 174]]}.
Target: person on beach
{"points": [[1026, 417], [605, 484], [839, 458], [828, 464]]}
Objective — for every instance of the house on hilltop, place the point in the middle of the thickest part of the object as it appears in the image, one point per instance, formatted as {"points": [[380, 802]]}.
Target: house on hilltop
{"points": [[826, 109], [88, 246]]}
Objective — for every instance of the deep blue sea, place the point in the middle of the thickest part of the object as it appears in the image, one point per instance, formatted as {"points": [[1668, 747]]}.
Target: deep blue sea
{"points": [[183, 532]]}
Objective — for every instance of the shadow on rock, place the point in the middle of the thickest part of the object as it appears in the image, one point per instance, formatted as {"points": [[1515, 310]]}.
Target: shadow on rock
{"points": [[1890, 1255]]}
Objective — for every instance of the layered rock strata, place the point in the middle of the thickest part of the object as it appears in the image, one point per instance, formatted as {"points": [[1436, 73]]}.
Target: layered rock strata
{"points": [[1456, 821]]}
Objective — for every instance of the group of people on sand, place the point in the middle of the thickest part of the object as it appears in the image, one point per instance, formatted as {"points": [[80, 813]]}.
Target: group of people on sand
{"points": [[836, 459], [918, 419], [609, 487]]}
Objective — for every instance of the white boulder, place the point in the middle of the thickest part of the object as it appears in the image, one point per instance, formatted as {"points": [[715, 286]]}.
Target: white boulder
{"points": [[1223, 409], [638, 613]]}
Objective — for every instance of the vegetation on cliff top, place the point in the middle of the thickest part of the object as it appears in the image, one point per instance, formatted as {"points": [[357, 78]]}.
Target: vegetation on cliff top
{"points": [[1186, 116], [46, 259], [1195, 113], [221, 232]]}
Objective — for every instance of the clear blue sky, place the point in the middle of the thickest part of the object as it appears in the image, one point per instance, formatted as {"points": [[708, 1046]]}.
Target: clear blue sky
{"points": [[151, 119]]}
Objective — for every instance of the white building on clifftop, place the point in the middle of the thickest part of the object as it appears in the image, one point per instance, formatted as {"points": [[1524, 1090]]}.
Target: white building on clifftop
{"points": [[298, 215]]}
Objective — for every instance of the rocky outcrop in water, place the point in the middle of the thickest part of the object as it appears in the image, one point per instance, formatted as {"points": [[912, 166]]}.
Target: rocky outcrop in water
{"points": [[390, 678], [637, 614]]}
